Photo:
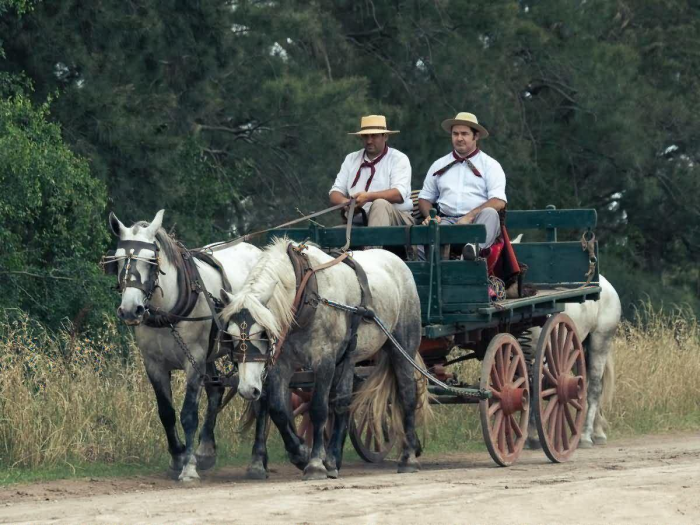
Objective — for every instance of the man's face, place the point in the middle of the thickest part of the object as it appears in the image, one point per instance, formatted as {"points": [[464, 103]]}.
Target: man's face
{"points": [[463, 139], [374, 143]]}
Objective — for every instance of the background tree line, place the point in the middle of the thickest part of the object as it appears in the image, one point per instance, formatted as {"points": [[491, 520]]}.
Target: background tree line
{"points": [[233, 115]]}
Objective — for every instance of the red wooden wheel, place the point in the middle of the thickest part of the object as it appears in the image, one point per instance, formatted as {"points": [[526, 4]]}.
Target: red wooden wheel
{"points": [[559, 388], [369, 446], [504, 417], [301, 401]]}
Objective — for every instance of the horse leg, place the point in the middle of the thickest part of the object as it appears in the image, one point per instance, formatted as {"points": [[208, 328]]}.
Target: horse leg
{"points": [[278, 397], [258, 464], [340, 400], [407, 393], [160, 381], [599, 346], [600, 423], [206, 451], [318, 413], [189, 418]]}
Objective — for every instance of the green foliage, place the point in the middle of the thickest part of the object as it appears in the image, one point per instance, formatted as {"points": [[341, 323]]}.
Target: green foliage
{"points": [[51, 218], [233, 115]]}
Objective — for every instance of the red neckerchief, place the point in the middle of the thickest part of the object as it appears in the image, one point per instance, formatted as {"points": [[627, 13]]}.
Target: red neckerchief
{"points": [[459, 160], [369, 164]]}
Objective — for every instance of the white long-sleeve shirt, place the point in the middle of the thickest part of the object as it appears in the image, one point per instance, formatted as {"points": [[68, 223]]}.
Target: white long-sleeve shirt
{"points": [[391, 172]]}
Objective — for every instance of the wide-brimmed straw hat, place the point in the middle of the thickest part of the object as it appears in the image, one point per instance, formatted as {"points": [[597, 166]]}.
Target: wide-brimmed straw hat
{"points": [[372, 124], [465, 119]]}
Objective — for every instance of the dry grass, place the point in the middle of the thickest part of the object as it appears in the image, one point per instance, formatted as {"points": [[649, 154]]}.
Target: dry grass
{"points": [[66, 400], [657, 361]]}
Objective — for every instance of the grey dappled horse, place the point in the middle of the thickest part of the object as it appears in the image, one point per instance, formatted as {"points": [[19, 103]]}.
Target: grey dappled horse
{"points": [[161, 353], [262, 311]]}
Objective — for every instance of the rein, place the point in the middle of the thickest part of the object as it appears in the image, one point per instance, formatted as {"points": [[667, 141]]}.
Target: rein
{"points": [[247, 237]]}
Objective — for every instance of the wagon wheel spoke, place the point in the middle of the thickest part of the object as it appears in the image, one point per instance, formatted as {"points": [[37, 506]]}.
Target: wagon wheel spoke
{"points": [[550, 361], [497, 423], [509, 435], [562, 339], [501, 432], [511, 370], [369, 436], [550, 408], [496, 380], [499, 369], [572, 360], [494, 408], [516, 428], [557, 427], [552, 380], [518, 382], [549, 392], [575, 403], [554, 350]]}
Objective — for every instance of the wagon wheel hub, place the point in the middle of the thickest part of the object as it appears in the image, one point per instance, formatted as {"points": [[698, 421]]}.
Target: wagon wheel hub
{"points": [[570, 387], [514, 400]]}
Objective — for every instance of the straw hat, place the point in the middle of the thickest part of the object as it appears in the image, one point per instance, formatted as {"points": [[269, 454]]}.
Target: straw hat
{"points": [[465, 119], [372, 124]]}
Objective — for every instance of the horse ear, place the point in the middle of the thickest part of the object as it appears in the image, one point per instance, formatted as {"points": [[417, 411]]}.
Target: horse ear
{"points": [[225, 296], [517, 239], [115, 224], [156, 223]]}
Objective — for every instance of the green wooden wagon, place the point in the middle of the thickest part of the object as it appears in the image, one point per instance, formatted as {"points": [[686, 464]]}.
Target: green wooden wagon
{"points": [[547, 376]]}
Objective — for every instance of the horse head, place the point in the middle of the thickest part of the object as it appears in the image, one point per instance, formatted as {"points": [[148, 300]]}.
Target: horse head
{"points": [[137, 264], [252, 342], [259, 316]]}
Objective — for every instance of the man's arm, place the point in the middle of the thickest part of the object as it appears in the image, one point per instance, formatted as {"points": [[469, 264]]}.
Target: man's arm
{"points": [[424, 206], [496, 204], [392, 195], [337, 197]]}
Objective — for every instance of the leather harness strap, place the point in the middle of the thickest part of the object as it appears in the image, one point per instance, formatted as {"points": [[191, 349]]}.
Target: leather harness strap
{"points": [[297, 299]]}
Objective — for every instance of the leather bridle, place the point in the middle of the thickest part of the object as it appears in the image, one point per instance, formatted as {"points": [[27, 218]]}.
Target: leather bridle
{"points": [[130, 277]]}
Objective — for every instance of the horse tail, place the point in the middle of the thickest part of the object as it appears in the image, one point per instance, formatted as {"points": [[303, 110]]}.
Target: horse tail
{"points": [[608, 391], [376, 402]]}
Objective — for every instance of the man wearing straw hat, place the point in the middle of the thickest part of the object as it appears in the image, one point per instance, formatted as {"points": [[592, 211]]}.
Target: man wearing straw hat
{"points": [[379, 177], [467, 185]]}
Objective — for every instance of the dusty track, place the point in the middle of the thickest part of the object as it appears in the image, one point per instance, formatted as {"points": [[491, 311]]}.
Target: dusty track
{"points": [[644, 480]]}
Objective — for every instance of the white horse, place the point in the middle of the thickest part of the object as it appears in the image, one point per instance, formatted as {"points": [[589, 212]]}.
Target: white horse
{"points": [[596, 323], [263, 311], [149, 284]]}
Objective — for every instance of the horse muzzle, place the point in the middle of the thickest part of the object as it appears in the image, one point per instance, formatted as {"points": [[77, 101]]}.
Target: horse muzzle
{"points": [[132, 317]]}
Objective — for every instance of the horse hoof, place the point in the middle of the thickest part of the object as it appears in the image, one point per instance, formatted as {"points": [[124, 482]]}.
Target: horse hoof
{"points": [[585, 443], [332, 473], [315, 471], [408, 467], [533, 444], [205, 462], [600, 440], [256, 472]]}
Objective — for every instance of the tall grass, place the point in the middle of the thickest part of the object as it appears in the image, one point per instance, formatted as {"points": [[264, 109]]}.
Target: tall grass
{"points": [[657, 361], [66, 399]]}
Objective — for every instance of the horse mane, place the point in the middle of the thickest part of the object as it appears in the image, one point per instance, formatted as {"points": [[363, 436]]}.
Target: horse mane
{"points": [[271, 271]]}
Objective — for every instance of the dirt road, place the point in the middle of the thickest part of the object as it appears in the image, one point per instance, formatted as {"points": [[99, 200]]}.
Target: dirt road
{"points": [[644, 480]]}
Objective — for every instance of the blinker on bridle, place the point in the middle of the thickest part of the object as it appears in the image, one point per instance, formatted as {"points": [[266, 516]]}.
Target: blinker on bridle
{"points": [[132, 249], [242, 351]]}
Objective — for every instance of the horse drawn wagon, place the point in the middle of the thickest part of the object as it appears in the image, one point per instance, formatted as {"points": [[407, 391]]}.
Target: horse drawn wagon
{"points": [[462, 321]]}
